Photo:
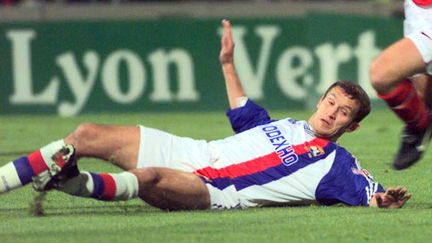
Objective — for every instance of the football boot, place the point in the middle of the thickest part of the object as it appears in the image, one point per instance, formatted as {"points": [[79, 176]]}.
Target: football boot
{"points": [[64, 167], [413, 144]]}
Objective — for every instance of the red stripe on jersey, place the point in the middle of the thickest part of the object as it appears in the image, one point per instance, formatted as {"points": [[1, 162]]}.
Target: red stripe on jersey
{"points": [[109, 186], [258, 164], [37, 162], [304, 148], [423, 2], [241, 169]]}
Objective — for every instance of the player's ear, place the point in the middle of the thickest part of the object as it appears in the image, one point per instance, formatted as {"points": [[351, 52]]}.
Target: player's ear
{"points": [[354, 126]]}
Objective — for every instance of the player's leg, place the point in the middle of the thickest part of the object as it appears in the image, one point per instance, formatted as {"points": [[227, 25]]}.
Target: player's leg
{"points": [[423, 85], [172, 189], [399, 61], [160, 187], [116, 144], [131, 147], [100, 186], [388, 76], [39, 163]]}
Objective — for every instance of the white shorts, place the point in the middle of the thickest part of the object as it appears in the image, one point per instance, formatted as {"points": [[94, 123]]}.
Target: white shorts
{"points": [[162, 149], [418, 28]]}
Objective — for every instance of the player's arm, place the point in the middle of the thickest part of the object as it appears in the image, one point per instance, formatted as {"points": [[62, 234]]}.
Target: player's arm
{"points": [[243, 113], [348, 183], [391, 198], [235, 92]]}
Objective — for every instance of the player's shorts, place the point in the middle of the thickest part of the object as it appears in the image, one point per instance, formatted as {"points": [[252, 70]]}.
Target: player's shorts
{"points": [[162, 149], [418, 28]]}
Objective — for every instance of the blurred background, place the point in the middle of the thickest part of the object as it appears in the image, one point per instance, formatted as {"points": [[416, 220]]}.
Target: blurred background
{"points": [[15, 10], [69, 57]]}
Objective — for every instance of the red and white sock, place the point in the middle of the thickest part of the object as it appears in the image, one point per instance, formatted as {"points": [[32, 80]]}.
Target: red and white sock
{"points": [[408, 106], [19, 172]]}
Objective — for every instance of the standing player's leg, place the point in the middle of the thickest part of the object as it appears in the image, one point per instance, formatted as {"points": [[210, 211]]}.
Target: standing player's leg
{"points": [[389, 72], [118, 144], [423, 85], [160, 187]]}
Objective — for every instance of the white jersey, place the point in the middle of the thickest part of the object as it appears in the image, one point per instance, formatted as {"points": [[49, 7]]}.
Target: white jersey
{"points": [[282, 162]]}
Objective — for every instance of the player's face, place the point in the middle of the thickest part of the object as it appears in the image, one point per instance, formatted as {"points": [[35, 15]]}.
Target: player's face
{"points": [[334, 115]]}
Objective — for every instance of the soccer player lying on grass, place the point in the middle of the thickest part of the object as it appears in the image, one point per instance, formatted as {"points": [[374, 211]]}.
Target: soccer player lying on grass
{"points": [[267, 162]]}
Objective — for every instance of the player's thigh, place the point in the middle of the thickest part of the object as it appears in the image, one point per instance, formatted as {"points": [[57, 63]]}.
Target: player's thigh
{"points": [[125, 145], [400, 60]]}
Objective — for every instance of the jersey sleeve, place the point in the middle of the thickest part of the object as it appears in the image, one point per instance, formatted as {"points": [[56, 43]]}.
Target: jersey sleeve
{"points": [[248, 116], [347, 183]]}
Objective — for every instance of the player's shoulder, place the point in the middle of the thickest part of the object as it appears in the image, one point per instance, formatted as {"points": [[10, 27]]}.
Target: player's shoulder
{"points": [[341, 149], [289, 121], [344, 156], [298, 125]]}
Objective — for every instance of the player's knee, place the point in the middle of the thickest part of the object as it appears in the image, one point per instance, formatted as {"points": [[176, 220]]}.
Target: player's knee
{"points": [[377, 74], [147, 177], [85, 132]]}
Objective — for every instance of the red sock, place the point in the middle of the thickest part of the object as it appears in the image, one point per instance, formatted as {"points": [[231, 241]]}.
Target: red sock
{"points": [[405, 102]]}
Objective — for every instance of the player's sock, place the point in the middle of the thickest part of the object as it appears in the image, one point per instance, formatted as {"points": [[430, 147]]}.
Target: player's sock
{"points": [[19, 172], [103, 186], [406, 103]]}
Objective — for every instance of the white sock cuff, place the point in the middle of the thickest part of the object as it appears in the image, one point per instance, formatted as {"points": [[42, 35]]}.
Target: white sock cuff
{"points": [[89, 185], [49, 150], [9, 178], [126, 185]]}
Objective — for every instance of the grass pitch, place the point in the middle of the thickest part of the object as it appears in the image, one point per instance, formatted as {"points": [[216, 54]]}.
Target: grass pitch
{"points": [[71, 219]]}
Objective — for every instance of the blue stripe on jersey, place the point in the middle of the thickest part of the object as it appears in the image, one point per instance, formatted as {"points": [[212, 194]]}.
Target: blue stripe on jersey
{"points": [[98, 186], [24, 170], [248, 116], [270, 174]]}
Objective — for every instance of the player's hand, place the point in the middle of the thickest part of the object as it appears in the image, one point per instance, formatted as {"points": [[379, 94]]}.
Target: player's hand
{"points": [[391, 198], [226, 55]]}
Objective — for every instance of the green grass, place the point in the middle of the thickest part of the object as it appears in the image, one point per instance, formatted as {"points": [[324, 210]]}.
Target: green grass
{"points": [[70, 219]]}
